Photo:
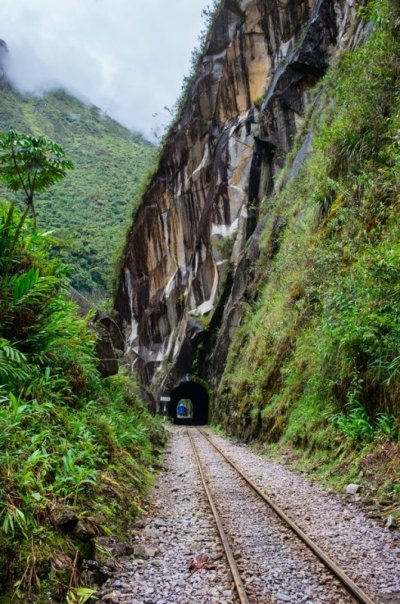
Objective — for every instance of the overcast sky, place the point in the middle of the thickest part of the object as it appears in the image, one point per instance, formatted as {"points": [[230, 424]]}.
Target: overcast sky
{"points": [[126, 56]]}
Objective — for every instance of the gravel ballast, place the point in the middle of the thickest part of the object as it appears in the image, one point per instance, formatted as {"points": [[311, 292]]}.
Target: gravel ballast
{"points": [[369, 553], [275, 566], [179, 528]]}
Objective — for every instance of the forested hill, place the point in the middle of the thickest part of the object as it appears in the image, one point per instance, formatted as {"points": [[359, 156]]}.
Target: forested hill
{"points": [[90, 209]]}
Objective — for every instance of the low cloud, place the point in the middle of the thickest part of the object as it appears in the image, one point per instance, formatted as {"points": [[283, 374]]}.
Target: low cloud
{"points": [[128, 57]]}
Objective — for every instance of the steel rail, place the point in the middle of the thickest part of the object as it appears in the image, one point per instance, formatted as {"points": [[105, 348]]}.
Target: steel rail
{"points": [[241, 591], [355, 591]]}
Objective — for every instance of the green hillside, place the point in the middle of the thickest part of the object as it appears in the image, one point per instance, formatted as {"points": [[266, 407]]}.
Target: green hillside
{"points": [[90, 210], [315, 364]]}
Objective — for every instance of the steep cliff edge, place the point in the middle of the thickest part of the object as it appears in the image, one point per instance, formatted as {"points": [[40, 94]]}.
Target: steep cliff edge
{"points": [[256, 76]]}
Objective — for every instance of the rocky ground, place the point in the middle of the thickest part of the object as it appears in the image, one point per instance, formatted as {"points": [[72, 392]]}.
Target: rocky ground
{"points": [[368, 552], [177, 558], [178, 528]]}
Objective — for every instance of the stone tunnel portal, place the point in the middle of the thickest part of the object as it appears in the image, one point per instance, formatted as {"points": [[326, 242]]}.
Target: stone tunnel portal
{"points": [[185, 393]]}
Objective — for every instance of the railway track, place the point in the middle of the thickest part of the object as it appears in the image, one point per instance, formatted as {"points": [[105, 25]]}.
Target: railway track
{"points": [[233, 546]]}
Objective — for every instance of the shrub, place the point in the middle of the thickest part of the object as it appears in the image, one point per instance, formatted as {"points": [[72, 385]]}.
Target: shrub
{"points": [[69, 442]]}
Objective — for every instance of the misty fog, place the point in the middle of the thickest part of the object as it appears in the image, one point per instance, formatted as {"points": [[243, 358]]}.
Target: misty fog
{"points": [[128, 57]]}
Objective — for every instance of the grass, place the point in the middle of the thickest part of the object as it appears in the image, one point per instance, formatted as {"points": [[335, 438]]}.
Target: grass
{"points": [[374, 467]]}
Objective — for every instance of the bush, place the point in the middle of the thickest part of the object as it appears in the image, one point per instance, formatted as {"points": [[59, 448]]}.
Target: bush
{"points": [[69, 441]]}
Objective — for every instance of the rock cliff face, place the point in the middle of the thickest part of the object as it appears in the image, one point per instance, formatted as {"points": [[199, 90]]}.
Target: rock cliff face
{"points": [[188, 256], [4, 56]]}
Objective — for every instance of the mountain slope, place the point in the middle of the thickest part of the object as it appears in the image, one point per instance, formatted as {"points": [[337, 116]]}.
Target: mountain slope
{"points": [[243, 107], [90, 209], [272, 274]]}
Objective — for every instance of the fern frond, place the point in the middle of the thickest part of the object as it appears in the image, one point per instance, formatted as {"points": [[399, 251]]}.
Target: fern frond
{"points": [[31, 288], [12, 364]]}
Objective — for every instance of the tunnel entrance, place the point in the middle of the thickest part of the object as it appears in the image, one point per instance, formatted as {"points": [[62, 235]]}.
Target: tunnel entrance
{"points": [[189, 404]]}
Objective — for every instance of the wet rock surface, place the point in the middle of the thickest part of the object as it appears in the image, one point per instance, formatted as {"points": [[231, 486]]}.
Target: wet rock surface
{"points": [[178, 558]]}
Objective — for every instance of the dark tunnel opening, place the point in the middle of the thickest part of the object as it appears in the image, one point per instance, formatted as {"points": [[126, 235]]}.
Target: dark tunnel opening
{"points": [[182, 395]]}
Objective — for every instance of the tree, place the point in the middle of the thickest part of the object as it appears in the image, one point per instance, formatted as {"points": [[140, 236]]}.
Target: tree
{"points": [[30, 164]]}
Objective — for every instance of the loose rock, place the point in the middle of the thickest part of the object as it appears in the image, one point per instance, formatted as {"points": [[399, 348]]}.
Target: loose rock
{"points": [[352, 489], [275, 568]]}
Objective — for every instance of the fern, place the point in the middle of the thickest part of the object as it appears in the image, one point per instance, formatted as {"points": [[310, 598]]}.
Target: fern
{"points": [[12, 364], [32, 289]]}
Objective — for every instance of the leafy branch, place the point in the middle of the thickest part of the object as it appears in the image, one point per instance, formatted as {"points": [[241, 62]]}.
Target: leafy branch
{"points": [[30, 164]]}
